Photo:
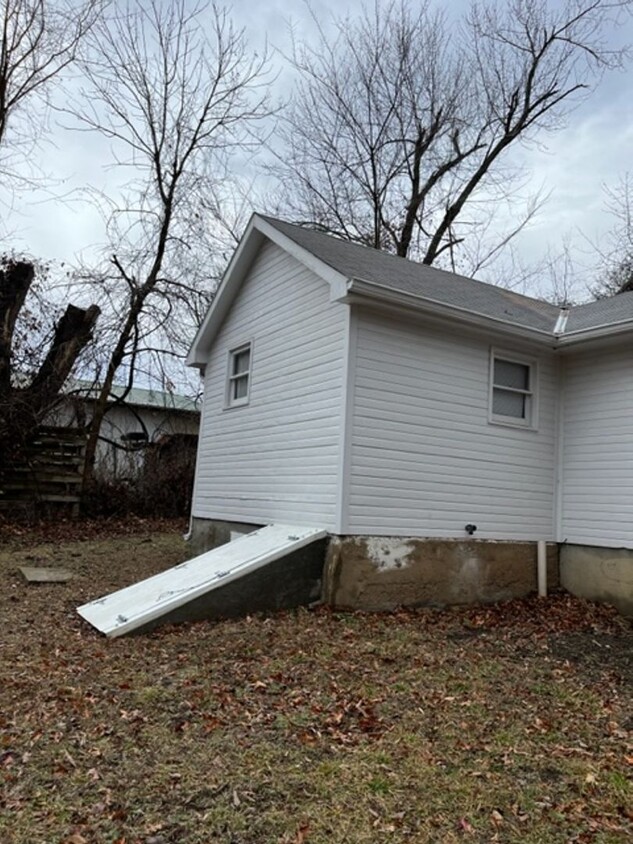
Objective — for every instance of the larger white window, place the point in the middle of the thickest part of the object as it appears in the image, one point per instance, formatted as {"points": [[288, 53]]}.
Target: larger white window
{"points": [[239, 375], [512, 390]]}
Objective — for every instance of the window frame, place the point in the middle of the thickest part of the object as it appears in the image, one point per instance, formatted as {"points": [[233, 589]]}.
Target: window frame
{"points": [[530, 422], [231, 378]]}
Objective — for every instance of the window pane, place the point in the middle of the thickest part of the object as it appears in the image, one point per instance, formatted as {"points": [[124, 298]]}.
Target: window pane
{"points": [[510, 374], [509, 404], [241, 362], [240, 387]]}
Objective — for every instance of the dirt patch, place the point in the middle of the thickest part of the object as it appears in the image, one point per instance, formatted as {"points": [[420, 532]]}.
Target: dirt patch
{"points": [[596, 653]]}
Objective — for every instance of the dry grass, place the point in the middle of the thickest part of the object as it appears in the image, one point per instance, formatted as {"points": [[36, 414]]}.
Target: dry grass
{"points": [[508, 724]]}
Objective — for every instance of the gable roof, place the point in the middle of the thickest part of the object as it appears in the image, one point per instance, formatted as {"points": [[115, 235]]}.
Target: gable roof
{"points": [[358, 273], [400, 274]]}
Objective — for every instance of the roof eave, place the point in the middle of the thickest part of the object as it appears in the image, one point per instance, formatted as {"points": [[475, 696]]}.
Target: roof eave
{"points": [[354, 290], [358, 289], [597, 332], [139, 405], [219, 305]]}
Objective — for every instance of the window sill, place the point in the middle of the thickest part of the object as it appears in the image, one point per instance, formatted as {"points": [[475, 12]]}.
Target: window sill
{"points": [[509, 422], [235, 405]]}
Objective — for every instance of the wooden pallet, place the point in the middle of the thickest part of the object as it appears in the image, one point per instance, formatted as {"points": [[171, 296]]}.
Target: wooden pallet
{"points": [[48, 477]]}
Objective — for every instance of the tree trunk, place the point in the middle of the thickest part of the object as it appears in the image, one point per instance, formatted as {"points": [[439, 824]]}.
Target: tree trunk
{"points": [[22, 408], [15, 281], [72, 333], [101, 403]]}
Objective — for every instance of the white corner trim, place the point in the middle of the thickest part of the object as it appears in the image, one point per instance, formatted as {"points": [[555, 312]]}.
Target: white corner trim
{"points": [[199, 449], [559, 454], [341, 517]]}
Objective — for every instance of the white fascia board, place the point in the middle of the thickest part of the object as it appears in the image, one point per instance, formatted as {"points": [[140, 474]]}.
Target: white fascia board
{"points": [[595, 333], [371, 290], [256, 230], [227, 288]]}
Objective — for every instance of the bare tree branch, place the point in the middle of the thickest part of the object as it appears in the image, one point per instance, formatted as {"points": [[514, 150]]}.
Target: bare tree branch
{"points": [[175, 88], [400, 121], [39, 39], [615, 251]]}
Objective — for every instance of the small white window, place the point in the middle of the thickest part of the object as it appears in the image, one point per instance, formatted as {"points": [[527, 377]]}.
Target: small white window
{"points": [[512, 390], [239, 377]]}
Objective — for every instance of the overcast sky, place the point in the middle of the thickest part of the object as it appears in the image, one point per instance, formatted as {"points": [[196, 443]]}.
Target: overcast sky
{"points": [[573, 164]]}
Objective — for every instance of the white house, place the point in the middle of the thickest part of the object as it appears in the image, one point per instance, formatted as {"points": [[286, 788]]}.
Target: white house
{"points": [[437, 427]]}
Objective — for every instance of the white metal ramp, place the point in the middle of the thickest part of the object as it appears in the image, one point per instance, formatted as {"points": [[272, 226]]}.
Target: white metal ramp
{"points": [[138, 605]]}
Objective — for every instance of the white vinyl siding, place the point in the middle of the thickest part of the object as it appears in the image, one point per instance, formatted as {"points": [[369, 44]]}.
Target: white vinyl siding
{"points": [[275, 459], [424, 459], [597, 466]]}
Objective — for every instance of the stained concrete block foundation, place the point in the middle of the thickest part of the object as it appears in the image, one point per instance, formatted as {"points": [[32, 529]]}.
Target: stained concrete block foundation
{"points": [[382, 573], [599, 574]]}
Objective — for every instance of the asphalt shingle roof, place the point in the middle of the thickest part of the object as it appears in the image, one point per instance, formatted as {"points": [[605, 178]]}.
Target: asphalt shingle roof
{"points": [[603, 312], [400, 274]]}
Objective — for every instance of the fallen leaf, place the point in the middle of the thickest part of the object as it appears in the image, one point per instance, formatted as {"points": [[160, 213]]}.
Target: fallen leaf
{"points": [[466, 826], [302, 834]]}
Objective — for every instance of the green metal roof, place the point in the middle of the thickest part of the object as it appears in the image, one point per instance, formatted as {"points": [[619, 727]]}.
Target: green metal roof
{"points": [[136, 396]]}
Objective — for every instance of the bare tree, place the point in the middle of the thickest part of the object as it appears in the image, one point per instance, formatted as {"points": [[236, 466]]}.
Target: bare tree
{"points": [[176, 90], [398, 132], [39, 39], [615, 251]]}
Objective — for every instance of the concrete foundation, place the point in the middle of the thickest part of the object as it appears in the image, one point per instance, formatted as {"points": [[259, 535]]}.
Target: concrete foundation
{"points": [[382, 573], [599, 574], [209, 533]]}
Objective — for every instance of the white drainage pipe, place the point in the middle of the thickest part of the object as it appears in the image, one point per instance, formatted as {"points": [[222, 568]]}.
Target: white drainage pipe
{"points": [[541, 567]]}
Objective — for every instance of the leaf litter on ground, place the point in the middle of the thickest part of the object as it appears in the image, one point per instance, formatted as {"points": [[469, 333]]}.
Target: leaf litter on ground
{"points": [[509, 722]]}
